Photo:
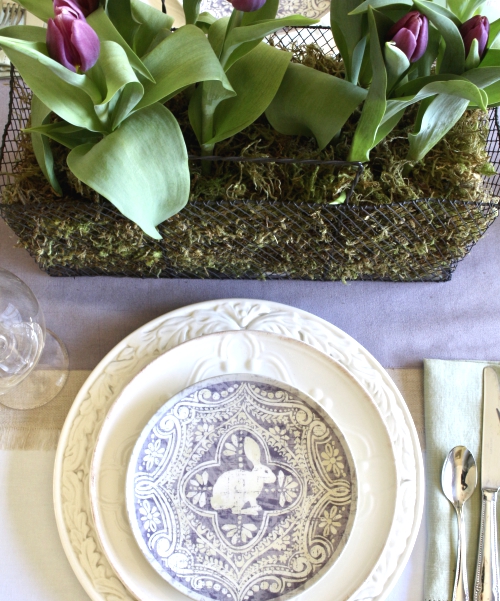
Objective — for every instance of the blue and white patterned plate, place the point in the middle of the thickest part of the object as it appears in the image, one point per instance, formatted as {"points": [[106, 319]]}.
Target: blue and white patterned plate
{"points": [[314, 9], [241, 488]]}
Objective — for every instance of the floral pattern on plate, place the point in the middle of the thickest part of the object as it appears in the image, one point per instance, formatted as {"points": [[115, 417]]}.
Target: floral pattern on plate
{"points": [[314, 9], [241, 488]]}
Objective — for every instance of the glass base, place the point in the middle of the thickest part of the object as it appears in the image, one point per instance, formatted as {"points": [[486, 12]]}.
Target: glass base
{"points": [[46, 380]]}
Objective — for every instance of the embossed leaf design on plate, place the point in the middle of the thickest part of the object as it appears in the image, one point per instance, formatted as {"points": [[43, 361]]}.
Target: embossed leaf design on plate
{"points": [[87, 414]]}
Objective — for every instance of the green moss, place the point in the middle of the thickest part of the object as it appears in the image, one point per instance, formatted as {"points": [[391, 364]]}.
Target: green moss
{"points": [[273, 220]]}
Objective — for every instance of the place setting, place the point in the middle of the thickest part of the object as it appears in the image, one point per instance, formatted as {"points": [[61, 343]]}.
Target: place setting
{"points": [[232, 450]]}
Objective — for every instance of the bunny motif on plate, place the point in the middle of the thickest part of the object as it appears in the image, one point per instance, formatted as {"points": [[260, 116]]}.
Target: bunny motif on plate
{"points": [[241, 488], [235, 488]]}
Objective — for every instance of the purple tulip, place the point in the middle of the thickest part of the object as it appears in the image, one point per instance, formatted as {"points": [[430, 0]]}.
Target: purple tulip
{"points": [[477, 28], [411, 34], [82, 7], [247, 6], [71, 41]]}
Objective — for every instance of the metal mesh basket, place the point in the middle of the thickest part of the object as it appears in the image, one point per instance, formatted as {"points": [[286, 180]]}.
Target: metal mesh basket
{"points": [[247, 239]]}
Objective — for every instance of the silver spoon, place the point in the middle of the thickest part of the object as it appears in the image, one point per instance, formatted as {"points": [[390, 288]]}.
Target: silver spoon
{"points": [[459, 479]]}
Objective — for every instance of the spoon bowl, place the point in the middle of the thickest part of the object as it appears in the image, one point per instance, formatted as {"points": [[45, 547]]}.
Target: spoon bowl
{"points": [[459, 479]]}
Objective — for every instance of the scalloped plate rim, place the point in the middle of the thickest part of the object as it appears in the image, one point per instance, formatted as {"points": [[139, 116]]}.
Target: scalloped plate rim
{"points": [[209, 305]]}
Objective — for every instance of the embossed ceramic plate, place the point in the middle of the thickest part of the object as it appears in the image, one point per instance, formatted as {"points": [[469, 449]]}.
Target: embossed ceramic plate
{"points": [[240, 487], [280, 358], [75, 521]]}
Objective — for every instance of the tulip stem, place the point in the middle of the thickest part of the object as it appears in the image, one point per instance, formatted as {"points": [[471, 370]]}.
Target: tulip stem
{"points": [[207, 126], [408, 168], [234, 21]]}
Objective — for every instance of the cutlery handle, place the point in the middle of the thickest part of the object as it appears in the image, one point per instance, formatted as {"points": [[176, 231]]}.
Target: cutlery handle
{"points": [[461, 586], [486, 584]]}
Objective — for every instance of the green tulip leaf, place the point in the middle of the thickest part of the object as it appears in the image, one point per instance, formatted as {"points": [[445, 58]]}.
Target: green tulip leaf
{"points": [[453, 60], [119, 85], [413, 87], [121, 15], [154, 27], [440, 116], [40, 114], [456, 7], [494, 37], [458, 87], [66, 134], [182, 59], [359, 56], [491, 58], [392, 8], [236, 44], [205, 21], [483, 77], [70, 95], [488, 79], [473, 59], [313, 104], [43, 9], [191, 10], [28, 33], [268, 11], [217, 35], [102, 25], [465, 9], [349, 33], [146, 186], [396, 62], [444, 12], [378, 4], [425, 63], [255, 78], [375, 103], [493, 93], [389, 122]]}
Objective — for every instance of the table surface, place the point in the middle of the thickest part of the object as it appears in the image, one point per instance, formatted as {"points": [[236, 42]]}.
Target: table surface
{"points": [[399, 323]]}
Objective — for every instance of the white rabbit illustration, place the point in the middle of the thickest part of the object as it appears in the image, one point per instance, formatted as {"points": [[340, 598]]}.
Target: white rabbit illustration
{"points": [[236, 488]]}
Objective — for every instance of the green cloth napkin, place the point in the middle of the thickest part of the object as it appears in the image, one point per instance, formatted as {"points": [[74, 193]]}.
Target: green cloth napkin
{"points": [[453, 399]]}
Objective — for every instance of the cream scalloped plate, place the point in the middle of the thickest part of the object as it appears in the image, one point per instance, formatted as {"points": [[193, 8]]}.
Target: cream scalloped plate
{"points": [[271, 356], [392, 452]]}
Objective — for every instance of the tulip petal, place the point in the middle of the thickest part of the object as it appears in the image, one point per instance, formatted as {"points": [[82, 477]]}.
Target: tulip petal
{"points": [[476, 28], [414, 24], [82, 7], [247, 6], [56, 45], [422, 40], [86, 43], [406, 42], [400, 24], [68, 5]]}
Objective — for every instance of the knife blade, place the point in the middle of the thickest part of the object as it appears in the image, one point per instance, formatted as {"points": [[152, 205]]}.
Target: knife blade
{"points": [[486, 586]]}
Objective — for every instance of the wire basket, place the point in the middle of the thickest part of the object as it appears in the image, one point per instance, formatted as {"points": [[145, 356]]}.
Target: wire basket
{"points": [[412, 241]]}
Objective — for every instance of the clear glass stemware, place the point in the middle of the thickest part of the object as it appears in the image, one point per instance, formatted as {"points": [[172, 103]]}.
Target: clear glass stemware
{"points": [[33, 361]]}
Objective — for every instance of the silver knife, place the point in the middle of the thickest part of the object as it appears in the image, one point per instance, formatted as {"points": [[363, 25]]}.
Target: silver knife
{"points": [[487, 580]]}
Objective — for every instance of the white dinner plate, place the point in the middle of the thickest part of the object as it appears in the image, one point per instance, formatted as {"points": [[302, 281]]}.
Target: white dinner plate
{"points": [[240, 487], [277, 357], [72, 467]]}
